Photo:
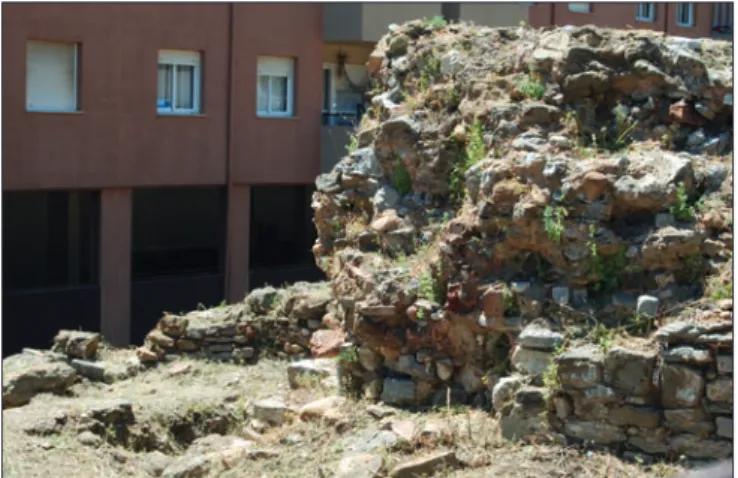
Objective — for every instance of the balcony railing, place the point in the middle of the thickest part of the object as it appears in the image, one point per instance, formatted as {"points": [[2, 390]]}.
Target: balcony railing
{"points": [[722, 20], [343, 119]]}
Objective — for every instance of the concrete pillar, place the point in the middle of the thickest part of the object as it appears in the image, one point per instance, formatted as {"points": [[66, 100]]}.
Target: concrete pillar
{"points": [[115, 265], [238, 242]]}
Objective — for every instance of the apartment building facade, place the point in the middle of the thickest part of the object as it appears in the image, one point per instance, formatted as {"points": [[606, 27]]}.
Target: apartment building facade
{"points": [[684, 19], [161, 157]]}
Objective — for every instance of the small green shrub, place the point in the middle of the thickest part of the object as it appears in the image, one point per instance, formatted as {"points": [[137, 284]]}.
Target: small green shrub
{"points": [[466, 157], [716, 289], [430, 70], [553, 222], [550, 377], [603, 336], [531, 87], [511, 303], [401, 180], [624, 128], [349, 355], [606, 268], [682, 210], [353, 144], [429, 287], [640, 325], [437, 21]]}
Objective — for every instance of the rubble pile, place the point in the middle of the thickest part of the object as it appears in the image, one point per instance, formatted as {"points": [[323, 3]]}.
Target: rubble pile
{"points": [[575, 178]]}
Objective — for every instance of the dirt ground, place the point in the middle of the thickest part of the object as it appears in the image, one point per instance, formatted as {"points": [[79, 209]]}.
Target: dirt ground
{"points": [[187, 399]]}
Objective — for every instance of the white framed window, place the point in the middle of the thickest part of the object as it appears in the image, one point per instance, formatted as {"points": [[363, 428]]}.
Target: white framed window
{"points": [[579, 7], [274, 86], [646, 12], [685, 14], [178, 83], [51, 76]]}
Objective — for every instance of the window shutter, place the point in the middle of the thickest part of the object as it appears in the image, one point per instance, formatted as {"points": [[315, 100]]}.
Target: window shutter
{"points": [[51, 76]]}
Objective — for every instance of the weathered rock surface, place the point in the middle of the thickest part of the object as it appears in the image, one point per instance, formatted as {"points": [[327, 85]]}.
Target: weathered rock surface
{"points": [[27, 374]]}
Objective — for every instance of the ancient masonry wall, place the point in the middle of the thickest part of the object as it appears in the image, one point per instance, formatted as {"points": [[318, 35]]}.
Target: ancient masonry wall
{"points": [[670, 398], [294, 322]]}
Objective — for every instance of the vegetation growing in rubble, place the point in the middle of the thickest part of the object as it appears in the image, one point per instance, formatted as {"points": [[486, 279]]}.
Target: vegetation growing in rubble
{"points": [[401, 177], [466, 157], [694, 268], [353, 144], [624, 126], [553, 222], [511, 303], [550, 377], [717, 289], [640, 325], [437, 21], [603, 337], [431, 69], [606, 268], [430, 289], [531, 87], [682, 210]]}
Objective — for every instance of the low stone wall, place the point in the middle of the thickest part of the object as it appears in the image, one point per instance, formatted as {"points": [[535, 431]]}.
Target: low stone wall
{"points": [[669, 396], [296, 321]]}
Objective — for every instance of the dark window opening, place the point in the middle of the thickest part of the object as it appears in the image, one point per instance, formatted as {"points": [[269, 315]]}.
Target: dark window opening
{"points": [[50, 239], [178, 231], [282, 236], [178, 253], [282, 230], [50, 266]]}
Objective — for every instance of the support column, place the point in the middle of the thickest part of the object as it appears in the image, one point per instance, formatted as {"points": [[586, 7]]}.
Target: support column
{"points": [[238, 242], [115, 265]]}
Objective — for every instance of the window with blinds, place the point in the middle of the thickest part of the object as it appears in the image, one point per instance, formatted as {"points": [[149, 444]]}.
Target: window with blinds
{"points": [[178, 84], [645, 12], [685, 14], [579, 7], [274, 86], [51, 76]]}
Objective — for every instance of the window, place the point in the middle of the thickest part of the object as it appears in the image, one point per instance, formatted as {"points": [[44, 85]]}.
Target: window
{"points": [[645, 12], [51, 76], [178, 86], [274, 86], [685, 14], [579, 7]]}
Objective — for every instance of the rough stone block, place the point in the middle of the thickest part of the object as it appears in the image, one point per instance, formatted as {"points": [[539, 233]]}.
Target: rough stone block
{"points": [[724, 427], [398, 392], [652, 441], [598, 432], [309, 369], [593, 403], [687, 355], [695, 446], [271, 411], [529, 361], [689, 420], [634, 416], [581, 367], [630, 371], [647, 306], [538, 337], [725, 364], [681, 386], [720, 390]]}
